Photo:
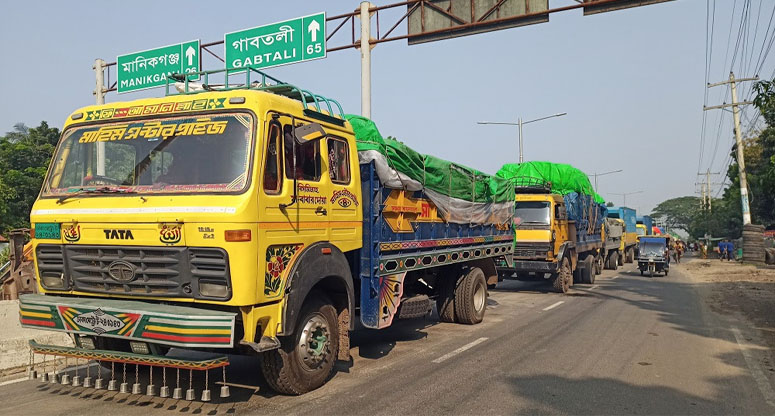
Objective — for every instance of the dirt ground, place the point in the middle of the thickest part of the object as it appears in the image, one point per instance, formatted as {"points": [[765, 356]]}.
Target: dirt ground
{"points": [[739, 290]]}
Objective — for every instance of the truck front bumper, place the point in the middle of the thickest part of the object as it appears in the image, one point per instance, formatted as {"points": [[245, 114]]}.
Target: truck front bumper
{"points": [[178, 326], [534, 266]]}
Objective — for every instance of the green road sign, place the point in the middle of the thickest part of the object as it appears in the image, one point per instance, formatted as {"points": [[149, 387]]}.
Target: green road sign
{"points": [[148, 69], [281, 43]]}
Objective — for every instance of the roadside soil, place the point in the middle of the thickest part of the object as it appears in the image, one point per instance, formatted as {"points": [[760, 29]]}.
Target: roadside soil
{"points": [[741, 292]]}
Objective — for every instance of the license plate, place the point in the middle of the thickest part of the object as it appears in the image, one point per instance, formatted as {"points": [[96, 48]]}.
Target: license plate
{"points": [[47, 230]]}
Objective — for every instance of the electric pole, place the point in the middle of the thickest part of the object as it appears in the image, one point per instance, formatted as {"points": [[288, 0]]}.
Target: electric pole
{"points": [[738, 138], [706, 198]]}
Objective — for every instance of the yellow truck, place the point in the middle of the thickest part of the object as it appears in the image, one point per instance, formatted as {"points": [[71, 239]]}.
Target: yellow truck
{"points": [[558, 238], [238, 220]]}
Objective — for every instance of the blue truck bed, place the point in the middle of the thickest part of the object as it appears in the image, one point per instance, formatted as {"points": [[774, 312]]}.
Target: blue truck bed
{"points": [[388, 254], [627, 215]]}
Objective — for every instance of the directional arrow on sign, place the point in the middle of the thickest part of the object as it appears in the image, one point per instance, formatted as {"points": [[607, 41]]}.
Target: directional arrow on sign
{"points": [[190, 52], [313, 28]]}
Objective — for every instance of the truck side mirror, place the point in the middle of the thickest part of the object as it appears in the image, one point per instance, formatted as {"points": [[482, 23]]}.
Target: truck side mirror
{"points": [[308, 133]]}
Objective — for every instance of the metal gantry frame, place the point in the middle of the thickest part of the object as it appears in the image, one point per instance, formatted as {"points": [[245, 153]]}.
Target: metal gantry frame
{"points": [[340, 21]]}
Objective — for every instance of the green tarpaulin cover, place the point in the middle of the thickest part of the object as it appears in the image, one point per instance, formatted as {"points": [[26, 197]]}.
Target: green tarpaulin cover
{"points": [[563, 178], [439, 175]]}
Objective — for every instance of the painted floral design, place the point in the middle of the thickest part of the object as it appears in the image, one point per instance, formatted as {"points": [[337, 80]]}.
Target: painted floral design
{"points": [[277, 260]]}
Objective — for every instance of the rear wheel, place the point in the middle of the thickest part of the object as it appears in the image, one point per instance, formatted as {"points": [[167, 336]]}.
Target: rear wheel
{"points": [[588, 272], [305, 360], [620, 258], [471, 297], [598, 264], [561, 279]]}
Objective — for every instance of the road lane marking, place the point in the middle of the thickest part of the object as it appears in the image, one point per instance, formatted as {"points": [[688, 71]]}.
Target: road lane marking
{"points": [[554, 305], [470, 345], [18, 380], [756, 371], [615, 277], [593, 287]]}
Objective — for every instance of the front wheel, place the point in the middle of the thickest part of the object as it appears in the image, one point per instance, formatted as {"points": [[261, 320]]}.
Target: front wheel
{"points": [[305, 360], [561, 279], [471, 297]]}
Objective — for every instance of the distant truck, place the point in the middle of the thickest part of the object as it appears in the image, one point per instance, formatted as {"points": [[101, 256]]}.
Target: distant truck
{"points": [[558, 238], [630, 237], [613, 234], [644, 225]]}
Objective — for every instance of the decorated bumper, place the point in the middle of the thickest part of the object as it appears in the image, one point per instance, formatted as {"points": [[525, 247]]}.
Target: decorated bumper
{"points": [[130, 320]]}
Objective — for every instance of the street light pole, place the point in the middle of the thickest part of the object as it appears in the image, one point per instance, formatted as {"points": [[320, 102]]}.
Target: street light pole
{"points": [[624, 195], [519, 124], [520, 140]]}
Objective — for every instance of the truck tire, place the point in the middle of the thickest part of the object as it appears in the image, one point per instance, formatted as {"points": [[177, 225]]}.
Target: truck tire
{"points": [[619, 258], [629, 255], [445, 301], [598, 264], [561, 279], [613, 261], [588, 272], [471, 297], [305, 359]]}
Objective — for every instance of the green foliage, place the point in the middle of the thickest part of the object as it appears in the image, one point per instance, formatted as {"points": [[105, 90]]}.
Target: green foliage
{"points": [[24, 157], [678, 213], [5, 255]]}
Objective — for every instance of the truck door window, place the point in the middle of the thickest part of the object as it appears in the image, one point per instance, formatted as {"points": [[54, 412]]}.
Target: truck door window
{"points": [[272, 175], [307, 164], [338, 161]]}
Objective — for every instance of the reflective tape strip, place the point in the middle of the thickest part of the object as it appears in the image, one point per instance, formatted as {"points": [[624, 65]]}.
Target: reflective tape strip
{"points": [[159, 210], [190, 323], [35, 307], [35, 314], [200, 331]]}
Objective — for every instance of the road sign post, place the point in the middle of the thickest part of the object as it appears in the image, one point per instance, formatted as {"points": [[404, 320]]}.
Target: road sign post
{"points": [[150, 68], [280, 43]]}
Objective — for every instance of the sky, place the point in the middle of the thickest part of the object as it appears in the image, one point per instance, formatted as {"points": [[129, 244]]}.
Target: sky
{"points": [[632, 82]]}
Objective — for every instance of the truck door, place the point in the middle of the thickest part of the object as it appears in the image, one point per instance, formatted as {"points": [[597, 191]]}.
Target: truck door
{"points": [[343, 199], [291, 218]]}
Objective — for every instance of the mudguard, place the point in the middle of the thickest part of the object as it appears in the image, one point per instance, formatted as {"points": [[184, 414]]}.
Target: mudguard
{"points": [[312, 266], [566, 247]]}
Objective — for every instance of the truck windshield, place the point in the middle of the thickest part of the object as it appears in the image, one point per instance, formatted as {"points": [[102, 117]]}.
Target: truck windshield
{"points": [[640, 231], [203, 153], [532, 212]]}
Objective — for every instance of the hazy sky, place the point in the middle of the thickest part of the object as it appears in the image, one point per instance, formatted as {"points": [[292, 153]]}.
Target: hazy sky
{"points": [[631, 81]]}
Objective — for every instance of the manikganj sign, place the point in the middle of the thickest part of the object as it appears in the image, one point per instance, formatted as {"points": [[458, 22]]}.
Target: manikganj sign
{"points": [[150, 68]]}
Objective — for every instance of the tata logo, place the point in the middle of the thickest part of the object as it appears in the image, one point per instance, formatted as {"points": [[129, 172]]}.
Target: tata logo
{"points": [[121, 271], [118, 234]]}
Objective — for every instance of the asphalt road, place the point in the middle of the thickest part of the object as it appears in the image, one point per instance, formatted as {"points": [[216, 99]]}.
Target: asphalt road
{"points": [[625, 345]]}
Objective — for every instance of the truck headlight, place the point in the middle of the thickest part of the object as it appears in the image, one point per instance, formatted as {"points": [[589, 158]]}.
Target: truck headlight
{"points": [[213, 290], [53, 282]]}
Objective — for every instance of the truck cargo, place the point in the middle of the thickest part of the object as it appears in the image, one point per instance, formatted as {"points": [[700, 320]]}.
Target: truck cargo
{"points": [[558, 222], [630, 237], [253, 220]]}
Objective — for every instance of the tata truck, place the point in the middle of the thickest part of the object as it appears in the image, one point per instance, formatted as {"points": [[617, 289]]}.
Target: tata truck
{"points": [[239, 220], [559, 238], [629, 241]]}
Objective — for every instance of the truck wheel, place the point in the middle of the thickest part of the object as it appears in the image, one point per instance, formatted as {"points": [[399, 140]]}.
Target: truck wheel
{"points": [[561, 279], [471, 297], [614, 261], [598, 264], [577, 274], [630, 255], [305, 360], [445, 301], [620, 258], [588, 273]]}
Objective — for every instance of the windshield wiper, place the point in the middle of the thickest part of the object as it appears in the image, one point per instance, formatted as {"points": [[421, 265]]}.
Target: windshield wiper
{"points": [[102, 190]]}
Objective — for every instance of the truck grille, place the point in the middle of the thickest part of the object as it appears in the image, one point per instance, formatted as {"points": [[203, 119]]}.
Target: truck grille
{"points": [[158, 271], [531, 250]]}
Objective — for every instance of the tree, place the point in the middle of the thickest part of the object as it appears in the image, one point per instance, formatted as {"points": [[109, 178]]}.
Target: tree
{"points": [[24, 157], [678, 213]]}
